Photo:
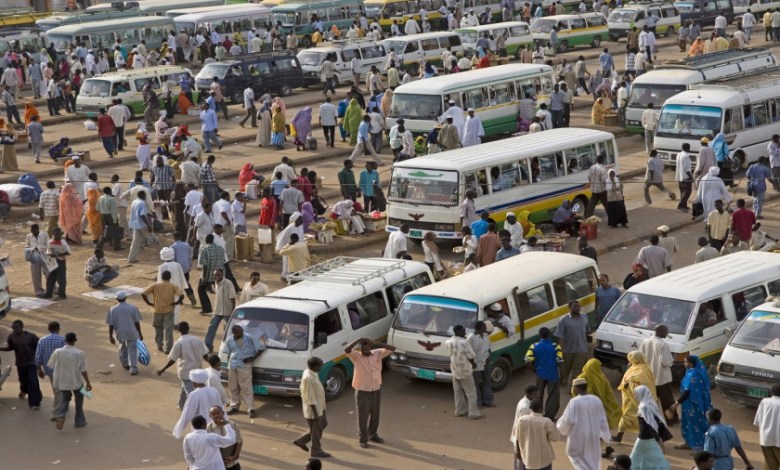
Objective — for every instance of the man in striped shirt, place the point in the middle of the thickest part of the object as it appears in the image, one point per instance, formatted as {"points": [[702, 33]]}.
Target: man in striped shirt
{"points": [[46, 347], [49, 207]]}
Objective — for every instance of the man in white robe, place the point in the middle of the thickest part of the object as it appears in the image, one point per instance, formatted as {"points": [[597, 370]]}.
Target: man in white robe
{"points": [[584, 422], [515, 230], [199, 401], [252, 289], [457, 115], [295, 226], [712, 188], [78, 175], [472, 131], [396, 243]]}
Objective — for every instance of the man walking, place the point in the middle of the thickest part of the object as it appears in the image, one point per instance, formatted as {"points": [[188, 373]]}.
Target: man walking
{"points": [[758, 173], [46, 347], [654, 176], [659, 356], [35, 249], [546, 356], [241, 351], [23, 343], [606, 296], [649, 121], [684, 176], [462, 358], [572, 332], [367, 382], [535, 435], [202, 449], [597, 177], [249, 105], [107, 132], [188, 353], [364, 146], [117, 114], [654, 258], [328, 116], [480, 344], [151, 105], [209, 127], [70, 379], [212, 257], [165, 297], [313, 401], [140, 224], [11, 111], [768, 422], [584, 422], [720, 439], [35, 135], [49, 207], [224, 304], [124, 320]]}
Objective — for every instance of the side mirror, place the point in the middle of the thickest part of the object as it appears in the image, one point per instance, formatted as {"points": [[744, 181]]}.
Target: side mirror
{"points": [[322, 338], [696, 332], [727, 332]]}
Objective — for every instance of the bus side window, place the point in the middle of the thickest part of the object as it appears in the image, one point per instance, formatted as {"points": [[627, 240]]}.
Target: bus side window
{"points": [[368, 309], [411, 46], [607, 149], [477, 180], [548, 167], [746, 300], [120, 87], [396, 292], [534, 302], [328, 323], [574, 286], [476, 98], [504, 93], [760, 114], [748, 116], [586, 157]]}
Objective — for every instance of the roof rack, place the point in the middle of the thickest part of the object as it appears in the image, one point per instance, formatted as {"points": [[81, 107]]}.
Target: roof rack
{"points": [[750, 81], [715, 59], [343, 270]]}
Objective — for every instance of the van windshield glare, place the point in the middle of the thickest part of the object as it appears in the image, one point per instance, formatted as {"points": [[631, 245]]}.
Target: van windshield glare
{"points": [[276, 329], [759, 332], [434, 315], [645, 312]]}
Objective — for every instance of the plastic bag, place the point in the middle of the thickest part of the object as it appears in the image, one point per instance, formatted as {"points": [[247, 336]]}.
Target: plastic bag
{"points": [[143, 353], [90, 125]]}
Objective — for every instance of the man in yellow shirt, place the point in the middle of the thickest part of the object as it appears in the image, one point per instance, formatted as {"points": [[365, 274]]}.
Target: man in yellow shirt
{"points": [[166, 296], [313, 400], [297, 254]]}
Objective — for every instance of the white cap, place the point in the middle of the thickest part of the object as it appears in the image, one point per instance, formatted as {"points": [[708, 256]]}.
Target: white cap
{"points": [[470, 110], [75, 157], [496, 307], [663, 228]]}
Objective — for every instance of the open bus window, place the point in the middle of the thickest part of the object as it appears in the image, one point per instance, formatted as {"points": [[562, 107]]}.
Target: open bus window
{"points": [[328, 323], [745, 301], [367, 310], [547, 167], [120, 87], [709, 314]]}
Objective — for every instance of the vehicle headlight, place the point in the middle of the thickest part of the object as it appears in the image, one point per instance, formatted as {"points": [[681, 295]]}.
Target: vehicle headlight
{"points": [[394, 357], [725, 368], [605, 345], [402, 357]]}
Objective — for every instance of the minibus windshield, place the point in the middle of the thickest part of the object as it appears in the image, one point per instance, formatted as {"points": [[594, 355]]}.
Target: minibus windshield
{"points": [[759, 332], [436, 316], [648, 311], [276, 329]]}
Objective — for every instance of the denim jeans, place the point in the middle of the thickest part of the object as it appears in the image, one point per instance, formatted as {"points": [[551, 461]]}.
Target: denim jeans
{"points": [[62, 409], [211, 333], [208, 137], [108, 144], [102, 277], [758, 202]]}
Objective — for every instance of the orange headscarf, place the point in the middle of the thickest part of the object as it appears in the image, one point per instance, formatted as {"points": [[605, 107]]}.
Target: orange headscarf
{"points": [[246, 175], [93, 214], [184, 103], [29, 112], [70, 213]]}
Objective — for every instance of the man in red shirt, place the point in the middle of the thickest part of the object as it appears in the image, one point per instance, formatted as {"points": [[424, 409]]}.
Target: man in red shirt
{"points": [[5, 206], [742, 221], [106, 132], [268, 210]]}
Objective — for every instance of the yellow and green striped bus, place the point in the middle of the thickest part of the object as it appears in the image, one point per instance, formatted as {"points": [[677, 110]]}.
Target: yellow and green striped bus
{"points": [[587, 29]]}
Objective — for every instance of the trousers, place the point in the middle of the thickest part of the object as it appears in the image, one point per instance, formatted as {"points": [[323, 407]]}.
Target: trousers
{"points": [[368, 404], [128, 353], [211, 333], [64, 404], [572, 364], [240, 385], [552, 403], [465, 397], [140, 238], [185, 389], [37, 271], [483, 386], [314, 434], [59, 277], [163, 329], [363, 148], [28, 383]]}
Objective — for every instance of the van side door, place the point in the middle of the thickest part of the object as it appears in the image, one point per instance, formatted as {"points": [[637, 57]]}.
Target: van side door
{"points": [[711, 320]]}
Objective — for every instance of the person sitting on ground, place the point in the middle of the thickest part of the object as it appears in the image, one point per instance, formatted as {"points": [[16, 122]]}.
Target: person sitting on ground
{"points": [[97, 272]]}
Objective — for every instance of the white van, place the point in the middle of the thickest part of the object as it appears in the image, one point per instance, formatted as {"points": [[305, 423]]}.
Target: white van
{"points": [[98, 92], [335, 303], [517, 34], [413, 49], [535, 299], [701, 305], [750, 364], [622, 20], [370, 54]]}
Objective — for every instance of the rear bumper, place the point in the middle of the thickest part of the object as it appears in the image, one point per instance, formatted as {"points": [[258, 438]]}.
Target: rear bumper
{"points": [[416, 372], [736, 389]]}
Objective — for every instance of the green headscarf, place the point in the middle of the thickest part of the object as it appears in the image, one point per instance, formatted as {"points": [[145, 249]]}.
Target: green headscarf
{"points": [[352, 118]]}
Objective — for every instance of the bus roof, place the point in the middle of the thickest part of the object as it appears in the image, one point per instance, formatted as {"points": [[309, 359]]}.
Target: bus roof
{"points": [[147, 6], [446, 83], [570, 17], [481, 285], [142, 72], [479, 156], [231, 6], [718, 58], [339, 281], [491, 26], [222, 12], [758, 79], [669, 77], [412, 37], [112, 24], [317, 5], [703, 281]]}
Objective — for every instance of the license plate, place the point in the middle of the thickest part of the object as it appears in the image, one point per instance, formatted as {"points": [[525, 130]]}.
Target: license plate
{"points": [[260, 389], [426, 374], [415, 233], [756, 392]]}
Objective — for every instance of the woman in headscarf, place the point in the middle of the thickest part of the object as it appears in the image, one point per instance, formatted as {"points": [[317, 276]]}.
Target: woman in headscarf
{"points": [[352, 118], [277, 129], [71, 210], [387, 100], [565, 219], [647, 453], [597, 112], [570, 78], [307, 212], [302, 124], [431, 252], [345, 210], [184, 103], [638, 373], [29, 112], [144, 151], [264, 118], [176, 207], [93, 215], [162, 129], [428, 71], [616, 204], [604, 90], [697, 47], [279, 103], [246, 175], [711, 188], [529, 228], [595, 81], [695, 402], [721, 149], [638, 274], [599, 386]]}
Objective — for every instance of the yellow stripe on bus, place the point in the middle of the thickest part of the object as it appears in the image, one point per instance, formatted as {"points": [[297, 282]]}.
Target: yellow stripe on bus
{"points": [[544, 318]]}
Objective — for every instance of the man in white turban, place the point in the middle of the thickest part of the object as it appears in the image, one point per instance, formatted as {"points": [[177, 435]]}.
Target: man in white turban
{"points": [[199, 401], [177, 277], [515, 230], [712, 188], [295, 226]]}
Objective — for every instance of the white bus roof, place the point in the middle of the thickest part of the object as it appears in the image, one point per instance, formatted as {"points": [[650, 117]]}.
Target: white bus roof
{"points": [[189, 10], [414, 37], [703, 281], [481, 285], [446, 83], [491, 26], [122, 23], [669, 77], [144, 72], [494, 153], [165, 5], [227, 11], [338, 281], [571, 17], [760, 79]]}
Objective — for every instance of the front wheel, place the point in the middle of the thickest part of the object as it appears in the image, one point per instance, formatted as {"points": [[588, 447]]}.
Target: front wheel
{"points": [[669, 31], [335, 384], [237, 97], [579, 204], [285, 90], [596, 41], [501, 373], [737, 162], [563, 46]]}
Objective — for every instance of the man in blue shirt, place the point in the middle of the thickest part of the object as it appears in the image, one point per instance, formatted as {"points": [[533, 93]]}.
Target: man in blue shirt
{"points": [[369, 178], [43, 351], [241, 352], [546, 356], [182, 254], [758, 174], [507, 250], [720, 439], [139, 224], [607, 63], [208, 125], [480, 227], [606, 296], [364, 146]]}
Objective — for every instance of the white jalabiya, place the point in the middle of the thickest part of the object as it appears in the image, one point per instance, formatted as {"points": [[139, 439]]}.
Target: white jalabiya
{"points": [[396, 243], [472, 132], [284, 238], [584, 422], [199, 402]]}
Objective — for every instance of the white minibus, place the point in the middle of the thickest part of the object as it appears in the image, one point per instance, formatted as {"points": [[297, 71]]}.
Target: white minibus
{"points": [[745, 108], [370, 53], [414, 49], [538, 298], [517, 34], [103, 34], [331, 305], [701, 305], [228, 20], [534, 173]]}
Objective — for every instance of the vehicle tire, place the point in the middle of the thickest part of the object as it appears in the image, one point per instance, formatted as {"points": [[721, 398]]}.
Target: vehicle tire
{"points": [[670, 31], [306, 42], [737, 162], [581, 201], [596, 41], [237, 97], [563, 46], [285, 90], [335, 384], [501, 373]]}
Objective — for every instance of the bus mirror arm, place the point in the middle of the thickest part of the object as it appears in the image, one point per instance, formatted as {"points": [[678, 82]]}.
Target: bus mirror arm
{"points": [[519, 319]]}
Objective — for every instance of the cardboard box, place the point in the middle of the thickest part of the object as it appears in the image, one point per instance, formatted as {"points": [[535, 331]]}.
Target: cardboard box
{"points": [[375, 225]]}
